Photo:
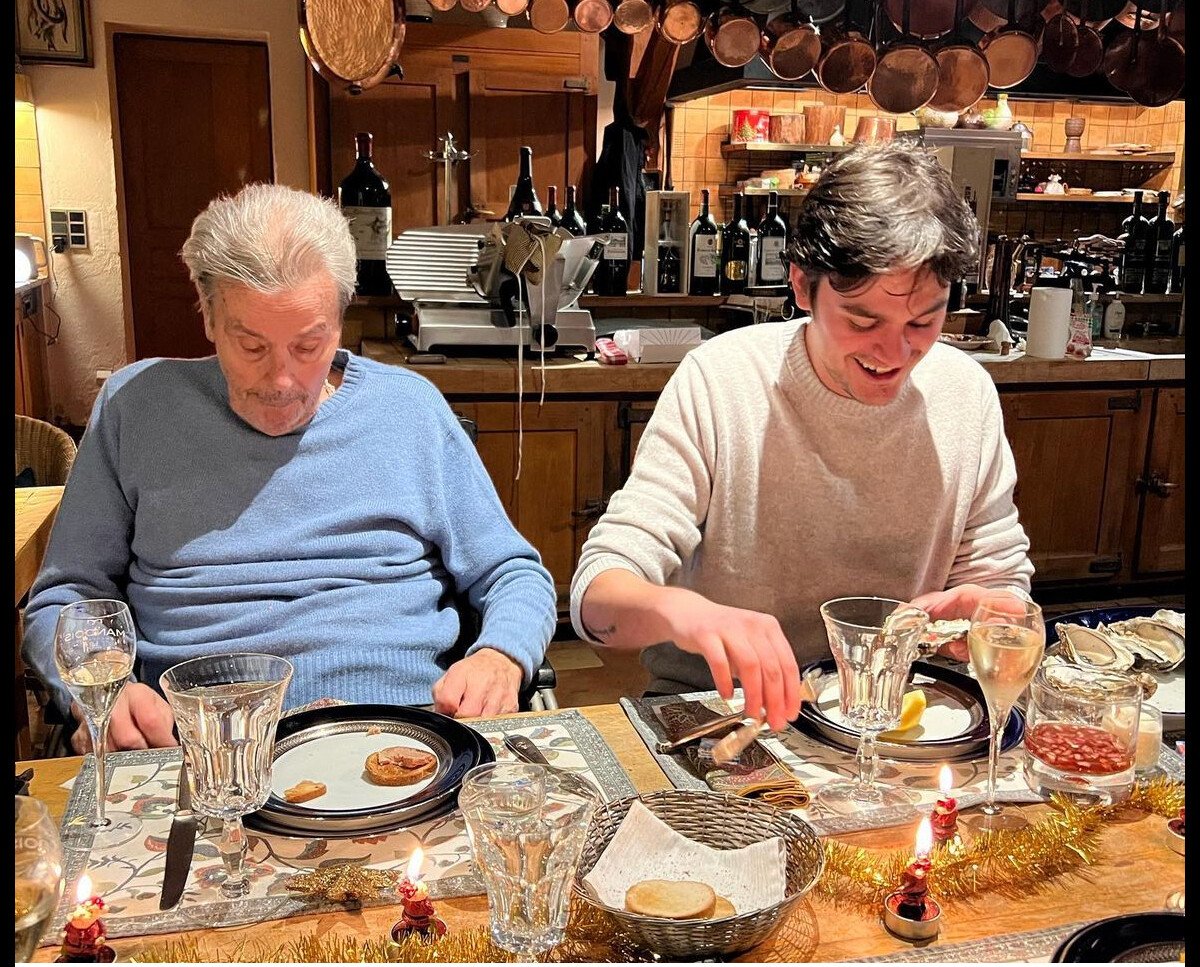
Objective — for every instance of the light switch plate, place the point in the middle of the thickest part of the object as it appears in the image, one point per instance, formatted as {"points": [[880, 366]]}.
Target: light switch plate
{"points": [[70, 224]]}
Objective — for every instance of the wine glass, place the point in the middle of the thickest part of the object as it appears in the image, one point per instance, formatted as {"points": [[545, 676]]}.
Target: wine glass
{"points": [[1006, 641], [39, 873], [94, 649], [226, 708], [874, 642]]}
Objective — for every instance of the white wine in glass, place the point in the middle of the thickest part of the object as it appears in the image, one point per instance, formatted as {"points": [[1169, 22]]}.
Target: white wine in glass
{"points": [[39, 874]]}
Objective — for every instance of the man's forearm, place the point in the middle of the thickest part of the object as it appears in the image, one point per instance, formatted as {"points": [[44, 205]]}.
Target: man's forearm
{"points": [[624, 611]]}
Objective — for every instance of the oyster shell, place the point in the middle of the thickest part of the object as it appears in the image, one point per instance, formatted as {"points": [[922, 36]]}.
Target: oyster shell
{"points": [[1094, 647], [1154, 643], [1172, 619]]}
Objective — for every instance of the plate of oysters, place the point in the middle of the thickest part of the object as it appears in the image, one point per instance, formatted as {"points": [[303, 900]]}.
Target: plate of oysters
{"points": [[1145, 643]]}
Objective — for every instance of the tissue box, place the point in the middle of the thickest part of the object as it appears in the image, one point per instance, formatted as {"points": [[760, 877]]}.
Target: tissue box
{"points": [[658, 345]]}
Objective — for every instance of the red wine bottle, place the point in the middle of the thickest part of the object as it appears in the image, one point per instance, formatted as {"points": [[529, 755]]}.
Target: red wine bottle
{"points": [[1135, 233], [524, 199], [735, 251], [572, 221], [367, 204], [612, 275], [772, 241], [706, 251], [552, 211], [1158, 249]]}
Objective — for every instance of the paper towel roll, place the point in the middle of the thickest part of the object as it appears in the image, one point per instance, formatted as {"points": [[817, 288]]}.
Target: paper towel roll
{"points": [[1049, 323]]}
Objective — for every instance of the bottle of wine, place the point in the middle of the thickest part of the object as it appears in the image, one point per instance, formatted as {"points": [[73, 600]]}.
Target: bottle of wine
{"points": [[772, 241], [524, 199], [1177, 261], [552, 211], [1158, 249], [705, 239], [572, 221], [668, 257], [612, 275], [735, 249], [367, 204], [1135, 230]]}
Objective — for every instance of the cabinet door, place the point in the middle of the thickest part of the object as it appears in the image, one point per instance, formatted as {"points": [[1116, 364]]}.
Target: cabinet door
{"points": [[559, 495], [1078, 455], [546, 113], [1160, 545]]}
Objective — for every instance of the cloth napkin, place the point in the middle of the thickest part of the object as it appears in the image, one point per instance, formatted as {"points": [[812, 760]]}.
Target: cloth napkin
{"points": [[756, 774]]}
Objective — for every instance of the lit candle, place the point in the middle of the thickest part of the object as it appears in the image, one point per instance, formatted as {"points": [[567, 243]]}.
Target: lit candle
{"points": [[914, 885], [84, 934], [418, 913], [945, 812]]}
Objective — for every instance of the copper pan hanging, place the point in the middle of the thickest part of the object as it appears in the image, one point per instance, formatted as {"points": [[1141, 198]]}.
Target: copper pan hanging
{"points": [[680, 21], [847, 58], [822, 12], [791, 45], [590, 16], [1128, 16], [548, 16], [1060, 41], [1089, 51], [1159, 80], [733, 36], [1031, 15], [906, 75], [1011, 51], [443, 6], [1096, 13], [474, 6], [633, 16], [962, 71], [1122, 60], [512, 8], [929, 19], [356, 48]]}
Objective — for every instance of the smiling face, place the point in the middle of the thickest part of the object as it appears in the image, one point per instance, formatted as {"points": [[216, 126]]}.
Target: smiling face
{"points": [[275, 350], [864, 343]]}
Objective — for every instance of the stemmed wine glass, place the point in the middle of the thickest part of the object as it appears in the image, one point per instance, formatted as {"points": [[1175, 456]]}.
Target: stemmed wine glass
{"points": [[1006, 641], [39, 874], [94, 648], [226, 709], [874, 642]]}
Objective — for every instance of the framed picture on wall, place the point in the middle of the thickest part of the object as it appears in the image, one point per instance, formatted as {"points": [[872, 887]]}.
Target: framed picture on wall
{"points": [[54, 32]]}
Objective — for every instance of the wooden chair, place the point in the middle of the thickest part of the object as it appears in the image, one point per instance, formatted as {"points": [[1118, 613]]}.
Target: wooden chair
{"points": [[45, 449]]}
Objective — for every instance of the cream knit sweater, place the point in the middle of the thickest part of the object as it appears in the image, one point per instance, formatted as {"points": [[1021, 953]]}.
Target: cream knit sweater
{"points": [[759, 488]]}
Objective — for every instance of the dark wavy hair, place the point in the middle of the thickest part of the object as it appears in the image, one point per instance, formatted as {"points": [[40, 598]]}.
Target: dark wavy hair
{"points": [[884, 208]]}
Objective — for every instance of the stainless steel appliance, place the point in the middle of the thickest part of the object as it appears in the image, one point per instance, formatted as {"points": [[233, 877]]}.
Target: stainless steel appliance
{"points": [[461, 295]]}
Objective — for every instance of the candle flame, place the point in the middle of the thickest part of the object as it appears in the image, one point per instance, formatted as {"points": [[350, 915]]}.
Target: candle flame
{"points": [[414, 865], [924, 838], [83, 892], [945, 780]]}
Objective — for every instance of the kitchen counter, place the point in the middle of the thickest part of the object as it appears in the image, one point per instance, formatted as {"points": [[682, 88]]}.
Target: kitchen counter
{"points": [[466, 376]]}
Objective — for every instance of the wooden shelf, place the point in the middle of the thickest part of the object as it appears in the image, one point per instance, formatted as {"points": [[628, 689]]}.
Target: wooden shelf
{"points": [[728, 191], [636, 300], [763, 146], [1156, 157], [1036, 196]]}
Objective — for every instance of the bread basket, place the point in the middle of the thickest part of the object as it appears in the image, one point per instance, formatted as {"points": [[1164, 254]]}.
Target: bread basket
{"points": [[723, 822]]}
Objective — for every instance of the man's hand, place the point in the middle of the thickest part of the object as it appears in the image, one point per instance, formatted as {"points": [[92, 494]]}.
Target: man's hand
{"points": [[141, 719], [958, 602], [484, 683]]}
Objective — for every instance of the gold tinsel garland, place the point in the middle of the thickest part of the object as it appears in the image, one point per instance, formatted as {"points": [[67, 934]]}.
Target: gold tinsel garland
{"points": [[1005, 862]]}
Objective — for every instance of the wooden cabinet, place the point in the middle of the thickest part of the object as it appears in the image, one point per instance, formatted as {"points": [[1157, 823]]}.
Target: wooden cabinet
{"points": [[29, 357], [1079, 454], [1161, 535]]}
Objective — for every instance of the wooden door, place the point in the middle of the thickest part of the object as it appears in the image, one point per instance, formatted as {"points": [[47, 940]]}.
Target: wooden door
{"points": [[560, 494], [1160, 544], [1078, 456], [545, 112], [194, 122], [406, 117]]}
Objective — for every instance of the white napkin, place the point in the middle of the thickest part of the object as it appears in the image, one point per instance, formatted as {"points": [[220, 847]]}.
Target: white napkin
{"points": [[646, 848]]}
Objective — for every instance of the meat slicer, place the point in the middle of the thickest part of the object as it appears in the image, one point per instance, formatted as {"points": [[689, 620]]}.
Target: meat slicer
{"points": [[484, 285]]}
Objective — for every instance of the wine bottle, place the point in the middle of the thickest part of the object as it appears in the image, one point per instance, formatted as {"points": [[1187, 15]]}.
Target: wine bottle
{"points": [[524, 199], [552, 211], [1177, 261], [572, 221], [668, 257], [612, 275], [1134, 233], [706, 256], [1158, 249], [772, 241], [366, 202], [735, 249]]}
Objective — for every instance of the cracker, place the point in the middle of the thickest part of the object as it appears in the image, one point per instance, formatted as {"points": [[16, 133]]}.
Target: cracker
{"points": [[304, 790], [671, 899]]}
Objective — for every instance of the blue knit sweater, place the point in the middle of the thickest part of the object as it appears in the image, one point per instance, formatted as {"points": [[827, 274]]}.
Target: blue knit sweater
{"points": [[333, 546]]}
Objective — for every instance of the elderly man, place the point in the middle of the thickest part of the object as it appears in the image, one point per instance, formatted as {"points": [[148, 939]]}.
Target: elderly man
{"points": [[287, 496], [789, 464]]}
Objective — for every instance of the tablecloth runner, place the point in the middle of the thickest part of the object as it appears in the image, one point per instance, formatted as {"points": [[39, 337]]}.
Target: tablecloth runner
{"points": [[1031, 946], [143, 784]]}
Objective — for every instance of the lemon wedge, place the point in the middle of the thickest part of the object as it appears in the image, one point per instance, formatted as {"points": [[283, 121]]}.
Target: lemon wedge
{"points": [[910, 712]]}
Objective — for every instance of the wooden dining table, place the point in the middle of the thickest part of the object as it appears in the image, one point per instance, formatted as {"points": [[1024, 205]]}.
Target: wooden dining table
{"points": [[1134, 872]]}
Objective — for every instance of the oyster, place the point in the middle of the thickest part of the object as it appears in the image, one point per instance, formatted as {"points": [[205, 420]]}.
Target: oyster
{"points": [[1172, 619], [1152, 642], [1092, 646]]}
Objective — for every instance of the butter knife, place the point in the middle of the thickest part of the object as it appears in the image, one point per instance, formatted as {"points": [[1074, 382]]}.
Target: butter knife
{"points": [[180, 843], [524, 749]]}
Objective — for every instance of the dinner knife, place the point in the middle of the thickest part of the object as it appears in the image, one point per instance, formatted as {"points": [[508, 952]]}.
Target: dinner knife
{"points": [[524, 749], [180, 843]]}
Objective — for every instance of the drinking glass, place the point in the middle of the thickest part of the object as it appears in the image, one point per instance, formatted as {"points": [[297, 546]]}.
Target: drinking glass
{"points": [[527, 832], [1006, 642], [874, 642], [226, 709], [39, 873], [94, 649]]}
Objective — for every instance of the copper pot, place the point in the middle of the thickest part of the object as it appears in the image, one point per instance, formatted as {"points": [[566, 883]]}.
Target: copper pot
{"points": [[963, 72], [512, 8], [929, 19], [733, 36], [680, 21], [633, 16], [874, 130], [847, 58], [1060, 41], [1089, 51], [590, 16], [549, 16], [906, 75], [1161, 77], [791, 47], [474, 6], [1011, 51], [443, 5], [1122, 60]]}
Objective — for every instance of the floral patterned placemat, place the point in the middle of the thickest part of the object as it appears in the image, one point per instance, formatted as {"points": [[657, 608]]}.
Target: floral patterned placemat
{"points": [[816, 763], [143, 785], [1030, 946]]}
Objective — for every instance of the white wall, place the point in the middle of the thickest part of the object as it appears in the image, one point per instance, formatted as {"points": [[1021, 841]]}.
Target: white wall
{"points": [[75, 131]]}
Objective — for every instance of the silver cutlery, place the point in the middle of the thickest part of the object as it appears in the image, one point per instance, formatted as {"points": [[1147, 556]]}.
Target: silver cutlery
{"points": [[524, 749], [180, 843]]}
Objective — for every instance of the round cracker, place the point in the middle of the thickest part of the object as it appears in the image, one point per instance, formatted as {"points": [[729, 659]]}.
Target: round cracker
{"points": [[670, 899], [723, 909]]}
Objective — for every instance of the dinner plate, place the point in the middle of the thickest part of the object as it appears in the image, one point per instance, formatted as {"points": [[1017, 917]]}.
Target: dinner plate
{"points": [[1168, 698], [964, 342], [1133, 938], [954, 726]]}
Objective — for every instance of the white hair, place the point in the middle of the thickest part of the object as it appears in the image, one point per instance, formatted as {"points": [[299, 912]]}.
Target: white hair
{"points": [[270, 238]]}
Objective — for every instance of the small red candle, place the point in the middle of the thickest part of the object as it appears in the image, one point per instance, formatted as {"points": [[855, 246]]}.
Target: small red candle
{"points": [[945, 812], [85, 933], [913, 885], [418, 916]]}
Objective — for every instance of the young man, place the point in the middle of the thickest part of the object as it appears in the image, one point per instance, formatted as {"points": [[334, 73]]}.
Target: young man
{"points": [[792, 463]]}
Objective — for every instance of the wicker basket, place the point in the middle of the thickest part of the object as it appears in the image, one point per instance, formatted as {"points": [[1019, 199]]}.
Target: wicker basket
{"points": [[723, 822]]}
